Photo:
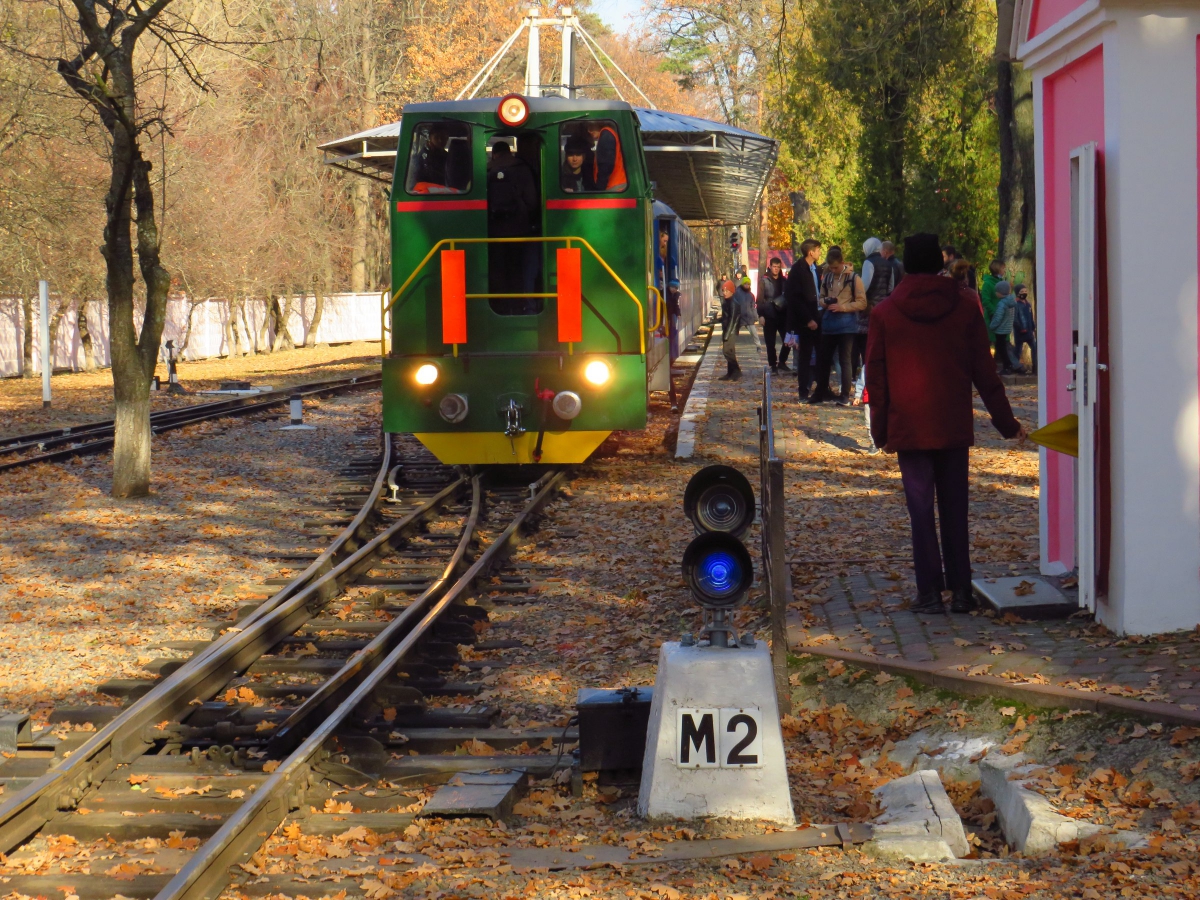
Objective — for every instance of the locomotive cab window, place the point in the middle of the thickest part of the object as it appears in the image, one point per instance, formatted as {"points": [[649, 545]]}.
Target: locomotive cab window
{"points": [[440, 160], [591, 157]]}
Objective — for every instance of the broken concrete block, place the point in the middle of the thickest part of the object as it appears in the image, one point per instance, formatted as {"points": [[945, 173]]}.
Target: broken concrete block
{"points": [[487, 794], [917, 817], [1030, 823], [915, 847], [950, 754]]}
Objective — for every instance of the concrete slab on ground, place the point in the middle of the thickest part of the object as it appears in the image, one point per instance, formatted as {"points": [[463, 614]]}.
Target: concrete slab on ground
{"points": [[1028, 596], [919, 821]]}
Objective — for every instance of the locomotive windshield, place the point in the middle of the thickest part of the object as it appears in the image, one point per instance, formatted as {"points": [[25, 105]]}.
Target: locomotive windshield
{"points": [[440, 161], [591, 158]]}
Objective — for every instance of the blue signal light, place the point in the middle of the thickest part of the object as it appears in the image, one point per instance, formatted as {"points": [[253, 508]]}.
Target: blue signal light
{"points": [[719, 574]]}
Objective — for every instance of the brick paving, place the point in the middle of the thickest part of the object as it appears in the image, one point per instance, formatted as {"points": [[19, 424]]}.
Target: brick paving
{"points": [[852, 590]]}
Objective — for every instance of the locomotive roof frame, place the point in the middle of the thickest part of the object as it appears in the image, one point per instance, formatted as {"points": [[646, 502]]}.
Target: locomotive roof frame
{"points": [[709, 173]]}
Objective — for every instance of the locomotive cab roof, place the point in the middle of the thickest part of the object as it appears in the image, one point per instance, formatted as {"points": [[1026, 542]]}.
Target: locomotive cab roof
{"points": [[707, 172], [485, 105]]}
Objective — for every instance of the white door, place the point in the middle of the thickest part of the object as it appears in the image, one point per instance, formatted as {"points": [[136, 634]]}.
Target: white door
{"points": [[1084, 366]]}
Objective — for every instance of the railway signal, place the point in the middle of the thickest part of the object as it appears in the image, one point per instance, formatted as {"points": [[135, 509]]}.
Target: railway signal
{"points": [[714, 746]]}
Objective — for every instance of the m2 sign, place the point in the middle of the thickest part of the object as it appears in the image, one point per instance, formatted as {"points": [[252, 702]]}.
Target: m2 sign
{"points": [[728, 738]]}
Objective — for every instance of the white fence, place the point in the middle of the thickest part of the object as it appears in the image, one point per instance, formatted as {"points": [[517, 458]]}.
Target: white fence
{"points": [[345, 317]]}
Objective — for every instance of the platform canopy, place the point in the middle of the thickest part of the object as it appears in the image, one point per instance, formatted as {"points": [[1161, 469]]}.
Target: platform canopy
{"points": [[709, 173]]}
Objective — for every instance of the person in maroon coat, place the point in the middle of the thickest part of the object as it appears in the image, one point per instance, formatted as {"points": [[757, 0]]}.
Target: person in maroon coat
{"points": [[926, 346]]}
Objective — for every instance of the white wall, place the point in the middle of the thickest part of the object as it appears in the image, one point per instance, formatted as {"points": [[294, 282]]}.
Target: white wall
{"points": [[1151, 176], [346, 317]]}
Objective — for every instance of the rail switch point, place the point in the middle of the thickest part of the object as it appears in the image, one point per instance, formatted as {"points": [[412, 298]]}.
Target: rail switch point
{"points": [[714, 746]]}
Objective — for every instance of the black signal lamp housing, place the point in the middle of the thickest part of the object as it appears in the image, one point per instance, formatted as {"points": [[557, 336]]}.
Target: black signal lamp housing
{"points": [[720, 498], [717, 570]]}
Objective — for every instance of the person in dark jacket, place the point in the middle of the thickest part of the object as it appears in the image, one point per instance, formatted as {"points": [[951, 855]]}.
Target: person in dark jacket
{"points": [[576, 174], [1024, 329], [803, 314], [431, 161], [731, 319], [512, 200], [772, 311], [926, 348]]}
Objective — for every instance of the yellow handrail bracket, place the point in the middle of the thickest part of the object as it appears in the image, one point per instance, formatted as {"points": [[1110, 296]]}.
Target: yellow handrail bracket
{"points": [[451, 243]]}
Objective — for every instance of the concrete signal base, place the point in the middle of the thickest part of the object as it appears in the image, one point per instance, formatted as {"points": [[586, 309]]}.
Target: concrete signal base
{"points": [[714, 747]]}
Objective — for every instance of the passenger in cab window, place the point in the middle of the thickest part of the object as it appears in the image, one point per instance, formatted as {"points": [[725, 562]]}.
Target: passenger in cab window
{"points": [[575, 177], [608, 164]]}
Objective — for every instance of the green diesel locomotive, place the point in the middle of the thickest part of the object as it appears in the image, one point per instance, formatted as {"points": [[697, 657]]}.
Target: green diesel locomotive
{"points": [[524, 307]]}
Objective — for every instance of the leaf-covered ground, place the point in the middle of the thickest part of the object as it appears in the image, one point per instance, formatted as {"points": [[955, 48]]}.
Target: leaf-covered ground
{"points": [[615, 594], [88, 583]]}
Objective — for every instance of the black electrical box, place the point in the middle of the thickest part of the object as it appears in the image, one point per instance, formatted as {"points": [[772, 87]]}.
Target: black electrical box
{"points": [[612, 728]]}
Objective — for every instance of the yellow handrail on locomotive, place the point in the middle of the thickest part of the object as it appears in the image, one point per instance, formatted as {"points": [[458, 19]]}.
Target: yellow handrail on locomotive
{"points": [[384, 330], [660, 309], [520, 240]]}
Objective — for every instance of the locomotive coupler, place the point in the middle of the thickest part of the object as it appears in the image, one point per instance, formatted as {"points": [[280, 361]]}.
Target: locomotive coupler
{"points": [[512, 420]]}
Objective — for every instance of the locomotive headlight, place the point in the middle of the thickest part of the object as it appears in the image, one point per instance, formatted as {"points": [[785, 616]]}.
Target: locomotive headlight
{"points": [[597, 372], [427, 374], [513, 110]]}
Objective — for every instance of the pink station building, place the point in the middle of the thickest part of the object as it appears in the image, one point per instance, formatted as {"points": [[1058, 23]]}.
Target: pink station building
{"points": [[1116, 99]]}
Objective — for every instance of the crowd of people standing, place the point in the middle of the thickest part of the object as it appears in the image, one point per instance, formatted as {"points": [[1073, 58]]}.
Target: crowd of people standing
{"points": [[916, 343], [818, 312]]}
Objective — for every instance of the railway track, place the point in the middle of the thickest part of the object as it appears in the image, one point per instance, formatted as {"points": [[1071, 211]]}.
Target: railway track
{"points": [[301, 700], [58, 444]]}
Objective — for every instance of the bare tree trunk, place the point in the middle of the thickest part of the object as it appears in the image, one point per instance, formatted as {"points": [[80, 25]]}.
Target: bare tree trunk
{"points": [[279, 317], [227, 327], [265, 338], [251, 342], [85, 338], [27, 336], [1016, 186], [764, 231], [317, 312], [361, 196], [60, 310], [187, 328], [234, 308]]}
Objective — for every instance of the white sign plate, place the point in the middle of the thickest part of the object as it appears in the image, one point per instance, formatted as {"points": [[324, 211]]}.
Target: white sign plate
{"points": [[741, 739], [728, 738]]}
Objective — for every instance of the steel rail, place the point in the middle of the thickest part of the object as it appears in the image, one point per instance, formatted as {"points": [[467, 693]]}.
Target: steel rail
{"points": [[54, 436], [98, 437], [207, 872], [362, 662], [130, 734]]}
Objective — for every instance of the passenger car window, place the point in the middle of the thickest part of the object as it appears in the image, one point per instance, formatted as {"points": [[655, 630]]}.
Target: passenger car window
{"points": [[440, 160], [591, 157]]}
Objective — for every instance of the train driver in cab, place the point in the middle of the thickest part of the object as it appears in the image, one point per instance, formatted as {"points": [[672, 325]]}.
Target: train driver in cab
{"points": [[608, 165], [431, 161]]}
